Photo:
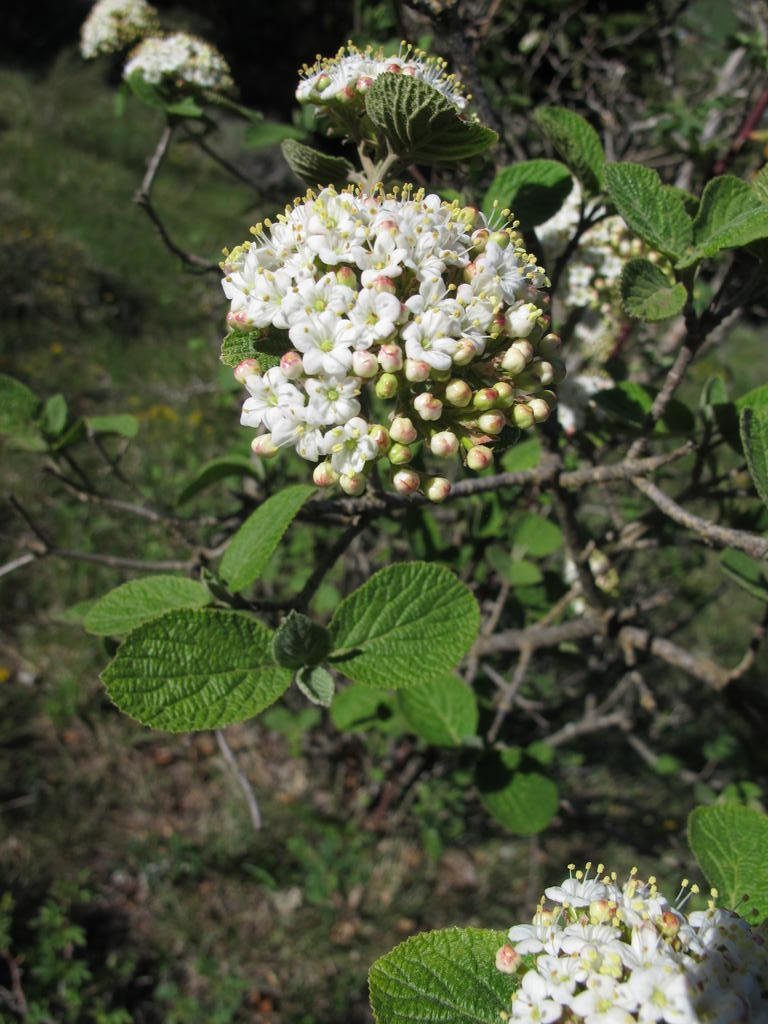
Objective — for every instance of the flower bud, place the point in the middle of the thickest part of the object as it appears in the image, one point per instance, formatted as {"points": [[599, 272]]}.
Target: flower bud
{"points": [[539, 408], [437, 488], [498, 325], [324, 474], [549, 397], [669, 924], [467, 216], [364, 83], [520, 321], [480, 239], [291, 365], [238, 319], [444, 444], [522, 416], [322, 83], [352, 483], [416, 371], [507, 959], [550, 345], [346, 276], [400, 454], [458, 393], [526, 348], [387, 225], [506, 394], [485, 398], [601, 911], [386, 385], [470, 271], [380, 435], [501, 238], [514, 361], [428, 407], [391, 358], [492, 422], [465, 352], [543, 370], [394, 68], [479, 457], [248, 368], [343, 97], [383, 284], [406, 481], [364, 364], [403, 430], [263, 446]]}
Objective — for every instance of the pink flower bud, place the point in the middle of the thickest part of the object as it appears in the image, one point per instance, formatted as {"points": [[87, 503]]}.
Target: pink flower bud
{"points": [[263, 446], [507, 959], [291, 365], [470, 271], [523, 416], [352, 483], [394, 68], [387, 225], [485, 398], [428, 407], [539, 408], [380, 435], [383, 284], [409, 70], [458, 393], [246, 369], [238, 319], [444, 444], [403, 430], [416, 371], [364, 83], [514, 361], [391, 358], [400, 454], [437, 488], [323, 475], [465, 352], [386, 385], [364, 364], [498, 324], [492, 422], [346, 276], [506, 394], [344, 96], [479, 457], [406, 481], [550, 345]]}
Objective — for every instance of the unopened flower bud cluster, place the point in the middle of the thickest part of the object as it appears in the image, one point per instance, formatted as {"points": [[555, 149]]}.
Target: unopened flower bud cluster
{"points": [[400, 304], [343, 80], [112, 25], [607, 952], [181, 61]]}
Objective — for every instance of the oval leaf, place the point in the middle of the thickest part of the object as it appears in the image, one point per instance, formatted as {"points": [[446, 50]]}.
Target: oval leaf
{"points": [[730, 215], [442, 977], [753, 424], [316, 683], [409, 624], [219, 469], [313, 167], [534, 190], [648, 294], [196, 670], [654, 213], [252, 546], [443, 712], [18, 407], [730, 843], [576, 141], [133, 603], [746, 572], [524, 802]]}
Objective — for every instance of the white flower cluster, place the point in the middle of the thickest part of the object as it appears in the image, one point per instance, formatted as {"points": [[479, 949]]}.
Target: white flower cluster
{"points": [[112, 25], [180, 60], [345, 78], [441, 316], [610, 953]]}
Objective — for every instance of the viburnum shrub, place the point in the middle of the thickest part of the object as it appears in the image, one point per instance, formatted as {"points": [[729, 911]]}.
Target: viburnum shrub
{"points": [[113, 25]]}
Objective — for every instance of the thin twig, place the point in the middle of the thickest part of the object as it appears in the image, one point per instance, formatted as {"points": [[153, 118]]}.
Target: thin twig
{"points": [[242, 780]]}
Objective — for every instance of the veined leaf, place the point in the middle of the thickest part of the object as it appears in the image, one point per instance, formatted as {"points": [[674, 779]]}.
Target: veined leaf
{"points": [[753, 424], [576, 141], [648, 294], [443, 712], [654, 213], [129, 605], [313, 167], [729, 842], [534, 190], [731, 214]]}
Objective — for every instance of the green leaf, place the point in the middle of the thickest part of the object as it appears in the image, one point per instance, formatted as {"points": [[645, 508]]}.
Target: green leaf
{"points": [[55, 415], [138, 601], [313, 167], [517, 572], [252, 546], [196, 669], [19, 408], [409, 624], [576, 141], [648, 294], [240, 345], [753, 424], [316, 683], [120, 423], [219, 469], [420, 124], [536, 536], [358, 708], [746, 572], [533, 190], [524, 802], [730, 215], [756, 398], [269, 133], [629, 402], [760, 184], [656, 215], [300, 641], [442, 712], [185, 107], [442, 977], [523, 455], [730, 844], [75, 614]]}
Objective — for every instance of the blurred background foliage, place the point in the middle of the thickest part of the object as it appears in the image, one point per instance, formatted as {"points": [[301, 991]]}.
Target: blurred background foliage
{"points": [[135, 887]]}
